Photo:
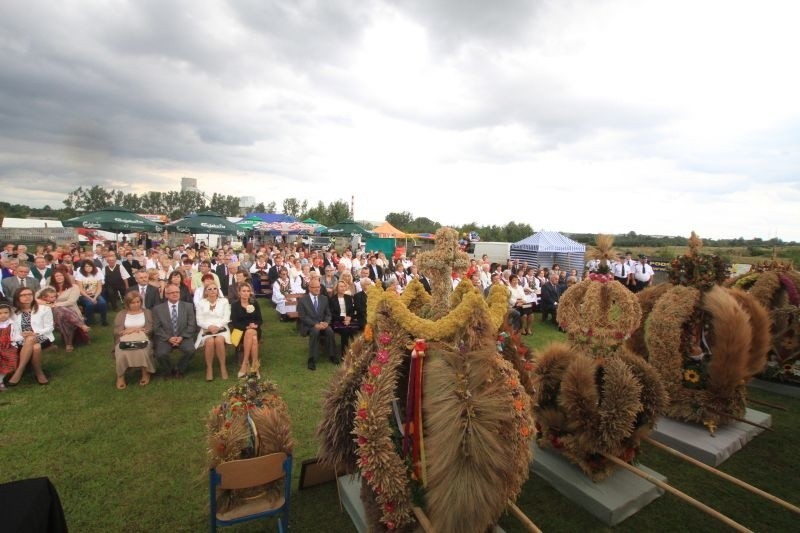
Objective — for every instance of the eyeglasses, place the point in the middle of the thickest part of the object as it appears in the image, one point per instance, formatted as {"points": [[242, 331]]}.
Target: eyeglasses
{"points": [[208, 289]]}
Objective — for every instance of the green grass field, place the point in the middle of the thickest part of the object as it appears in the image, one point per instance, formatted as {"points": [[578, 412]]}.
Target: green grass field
{"points": [[135, 460]]}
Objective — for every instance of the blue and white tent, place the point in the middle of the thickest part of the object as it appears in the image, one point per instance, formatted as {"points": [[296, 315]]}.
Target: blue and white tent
{"points": [[543, 249]]}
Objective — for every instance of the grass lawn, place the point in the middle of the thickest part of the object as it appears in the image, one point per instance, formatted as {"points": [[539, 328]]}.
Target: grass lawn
{"points": [[135, 460]]}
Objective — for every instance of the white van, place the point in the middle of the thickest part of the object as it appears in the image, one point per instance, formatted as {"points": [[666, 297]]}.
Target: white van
{"points": [[497, 252]]}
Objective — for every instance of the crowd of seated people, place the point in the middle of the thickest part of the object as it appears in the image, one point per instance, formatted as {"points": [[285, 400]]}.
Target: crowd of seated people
{"points": [[185, 299]]}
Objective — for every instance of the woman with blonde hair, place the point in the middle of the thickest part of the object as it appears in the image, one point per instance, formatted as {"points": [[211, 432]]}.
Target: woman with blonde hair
{"points": [[213, 314], [246, 318]]}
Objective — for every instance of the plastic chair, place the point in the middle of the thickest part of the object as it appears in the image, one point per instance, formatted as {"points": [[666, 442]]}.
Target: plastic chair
{"points": [[247, 473]]}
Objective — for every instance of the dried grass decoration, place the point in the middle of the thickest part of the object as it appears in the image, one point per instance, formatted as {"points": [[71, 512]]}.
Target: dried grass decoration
{"points": [[775, 285], [593, 396], [252, 421], [475, 429], [705, 341]]}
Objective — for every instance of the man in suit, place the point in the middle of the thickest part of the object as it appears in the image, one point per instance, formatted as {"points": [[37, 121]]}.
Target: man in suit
{"points": [[549, 297], [375, 270], [314, 316], [149, 294], [360, 302], [174, 328], [225, 273], [19, 279]]}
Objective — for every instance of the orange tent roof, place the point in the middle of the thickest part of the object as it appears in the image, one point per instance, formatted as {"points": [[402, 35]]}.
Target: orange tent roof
{"points": [[387, 230]]}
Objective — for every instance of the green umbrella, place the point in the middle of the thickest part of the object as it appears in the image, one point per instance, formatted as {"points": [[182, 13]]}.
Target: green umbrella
{"points": [[348, 228], [205, 222], [318, 228], [116, 219]]}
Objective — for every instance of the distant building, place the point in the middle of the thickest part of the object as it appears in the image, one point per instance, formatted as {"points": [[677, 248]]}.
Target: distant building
{"points": [[189, 184]]}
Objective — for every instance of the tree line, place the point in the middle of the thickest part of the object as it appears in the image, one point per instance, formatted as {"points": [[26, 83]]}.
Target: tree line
{"points": [[176, 204]]}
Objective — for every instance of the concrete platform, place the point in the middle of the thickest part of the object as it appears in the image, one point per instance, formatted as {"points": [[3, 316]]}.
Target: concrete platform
{"points": [[775, 387], [611, 500], [350, 489], [695, 441]]}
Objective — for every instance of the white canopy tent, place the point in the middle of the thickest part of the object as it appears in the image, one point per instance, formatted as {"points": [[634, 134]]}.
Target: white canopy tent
{"points": [[545, 248]]}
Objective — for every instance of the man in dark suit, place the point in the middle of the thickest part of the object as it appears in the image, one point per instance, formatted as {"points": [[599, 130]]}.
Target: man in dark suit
{"points": [[549, 298], [149, 294], [275, 270], [224, 273], [314, 316], [19, 279], [360, 303], [375, 270], [174, 328]]}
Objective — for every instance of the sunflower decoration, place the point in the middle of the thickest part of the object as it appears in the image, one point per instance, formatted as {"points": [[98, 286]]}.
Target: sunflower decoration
{"points": [[433, 364], [253, 420], [775, 285]]}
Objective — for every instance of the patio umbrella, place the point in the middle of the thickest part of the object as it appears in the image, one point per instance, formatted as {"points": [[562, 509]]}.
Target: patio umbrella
{"points": [[318, 228], [292, 228], [116, 219], [205, 222]]}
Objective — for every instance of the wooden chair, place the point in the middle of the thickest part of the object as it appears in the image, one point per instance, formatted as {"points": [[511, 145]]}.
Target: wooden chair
{"points": [[247, 473]]}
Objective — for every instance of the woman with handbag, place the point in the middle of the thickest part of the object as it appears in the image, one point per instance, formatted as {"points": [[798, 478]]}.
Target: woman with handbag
{"points": [[35, 325], [213, 313], [132, 346]]}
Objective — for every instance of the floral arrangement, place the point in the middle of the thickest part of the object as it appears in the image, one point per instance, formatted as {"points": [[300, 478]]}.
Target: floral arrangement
{"points": [[705, 346], [463, 384], [697, 269], [775, 285], [253, 420]]}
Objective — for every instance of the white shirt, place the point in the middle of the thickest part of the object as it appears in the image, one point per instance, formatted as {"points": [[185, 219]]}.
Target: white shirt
{"points": [[643, 272]]}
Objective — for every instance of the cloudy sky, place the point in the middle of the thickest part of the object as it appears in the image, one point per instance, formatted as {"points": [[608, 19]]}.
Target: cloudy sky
{"points": [[586, 116]]}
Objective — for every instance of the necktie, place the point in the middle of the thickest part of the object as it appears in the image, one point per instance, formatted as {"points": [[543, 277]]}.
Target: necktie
{"points": [[623, 269], [315, 305], [142, 290], [174, 319]]}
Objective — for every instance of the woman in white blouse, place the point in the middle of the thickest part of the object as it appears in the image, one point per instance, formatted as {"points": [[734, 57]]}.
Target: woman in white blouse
{"points": [[518, 300], [282, 290], [34, 324], [213, 314]]}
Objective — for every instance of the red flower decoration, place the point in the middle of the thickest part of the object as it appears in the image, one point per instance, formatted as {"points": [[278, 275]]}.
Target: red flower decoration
{"points": [[367, 474], [368, 388], [389, 525], [375, 370], [528, 366], [382, 357], [362, 413], [420, 345], [619, 335], [384, 338], [362, 440]]}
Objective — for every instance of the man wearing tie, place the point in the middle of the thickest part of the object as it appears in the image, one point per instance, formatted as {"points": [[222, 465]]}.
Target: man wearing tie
{"points": [[148, 293], [174, 328], [314, 316], [19, 279]]}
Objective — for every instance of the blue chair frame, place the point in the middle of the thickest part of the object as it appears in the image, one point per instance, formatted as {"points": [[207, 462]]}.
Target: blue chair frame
{"points": [[216, 480]]}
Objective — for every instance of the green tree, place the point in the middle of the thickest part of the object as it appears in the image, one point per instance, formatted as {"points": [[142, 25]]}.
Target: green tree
{"points": [[271, 207], [401, 221], [294, 208], [337, 212], [91, 199], [225, 205], [318, 213]]}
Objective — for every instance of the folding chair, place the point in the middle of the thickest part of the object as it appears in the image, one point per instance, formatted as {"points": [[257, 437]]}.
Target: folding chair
{"points": [[247, 473]]}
